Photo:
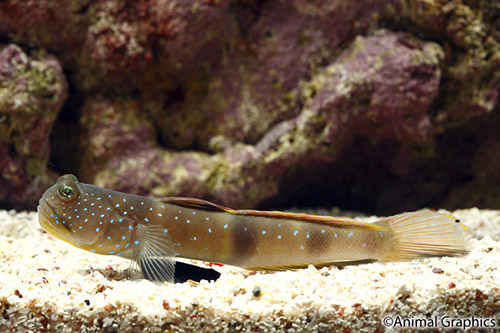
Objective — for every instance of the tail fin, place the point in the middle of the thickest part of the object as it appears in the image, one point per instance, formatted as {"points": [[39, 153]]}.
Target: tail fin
{"points": [[423, 234]]}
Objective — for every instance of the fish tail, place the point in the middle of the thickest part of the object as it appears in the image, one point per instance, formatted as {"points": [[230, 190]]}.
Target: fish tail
{"points": [[423, 234]]}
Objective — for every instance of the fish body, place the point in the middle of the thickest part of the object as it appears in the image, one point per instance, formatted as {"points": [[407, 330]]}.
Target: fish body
{"points": [[144, 229]]}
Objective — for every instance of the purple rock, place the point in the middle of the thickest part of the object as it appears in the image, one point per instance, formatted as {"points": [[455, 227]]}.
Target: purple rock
{"points": [[256, 102], [33, 90]]}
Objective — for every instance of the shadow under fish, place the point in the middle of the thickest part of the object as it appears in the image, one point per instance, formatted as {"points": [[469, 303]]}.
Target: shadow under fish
{"points": [[183, 271]]}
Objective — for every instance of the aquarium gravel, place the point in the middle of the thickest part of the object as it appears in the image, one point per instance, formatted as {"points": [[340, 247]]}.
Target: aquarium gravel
{"points": [[46, 284]]}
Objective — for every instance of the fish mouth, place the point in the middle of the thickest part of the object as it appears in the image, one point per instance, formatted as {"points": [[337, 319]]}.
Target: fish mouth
{"points": [[46, 219], [45, 211]]}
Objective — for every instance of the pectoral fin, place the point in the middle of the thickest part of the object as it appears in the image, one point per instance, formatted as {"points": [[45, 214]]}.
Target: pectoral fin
{"points": [[154, 255]]}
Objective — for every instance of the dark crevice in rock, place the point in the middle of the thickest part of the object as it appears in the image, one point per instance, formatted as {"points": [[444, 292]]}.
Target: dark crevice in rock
{"points": [[66, 134]]}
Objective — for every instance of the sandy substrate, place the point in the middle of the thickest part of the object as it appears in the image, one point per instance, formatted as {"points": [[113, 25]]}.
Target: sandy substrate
{"points": [[46, 284]]}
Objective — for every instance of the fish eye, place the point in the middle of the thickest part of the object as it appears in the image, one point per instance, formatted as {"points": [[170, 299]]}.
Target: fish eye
{"points": [[67, 191]]}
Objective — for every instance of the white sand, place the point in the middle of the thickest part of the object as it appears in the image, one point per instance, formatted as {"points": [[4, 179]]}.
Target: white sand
{"points": [[48, 284]]}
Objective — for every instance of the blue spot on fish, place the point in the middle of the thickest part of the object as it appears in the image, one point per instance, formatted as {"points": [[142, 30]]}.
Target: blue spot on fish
{"points": [[117, 205], [364, 244], [323, 231], [349, 235], [225, 226], [160, 214], [123, 237], [137, 242], [146, 219], [165, 231], [335, 235], [209, 230], [279, 236], [117, 245], [130, 227], [97, 229], [92, 250], [263, 232], [126, 245], [295, 232], [109, 237]]}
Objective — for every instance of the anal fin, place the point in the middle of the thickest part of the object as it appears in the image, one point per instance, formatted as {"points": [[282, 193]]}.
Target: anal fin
{"points": [[315, 264]]}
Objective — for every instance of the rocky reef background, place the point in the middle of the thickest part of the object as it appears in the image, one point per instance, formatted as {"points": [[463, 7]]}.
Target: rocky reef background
{"points": [[378, 106]]}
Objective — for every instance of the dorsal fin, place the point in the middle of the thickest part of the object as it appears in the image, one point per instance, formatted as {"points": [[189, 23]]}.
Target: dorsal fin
{"points": [[195, 203], [207, 205], [336, 221]]}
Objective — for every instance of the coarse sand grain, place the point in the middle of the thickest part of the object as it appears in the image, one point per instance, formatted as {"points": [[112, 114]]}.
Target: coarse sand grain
{"points": [[48, 285]]}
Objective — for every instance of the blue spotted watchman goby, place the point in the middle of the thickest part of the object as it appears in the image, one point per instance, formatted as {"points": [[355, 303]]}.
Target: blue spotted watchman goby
{"points": [[146, 229]]}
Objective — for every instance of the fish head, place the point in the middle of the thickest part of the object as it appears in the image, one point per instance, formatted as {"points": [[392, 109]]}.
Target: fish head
{"points": [[74, 212]]}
